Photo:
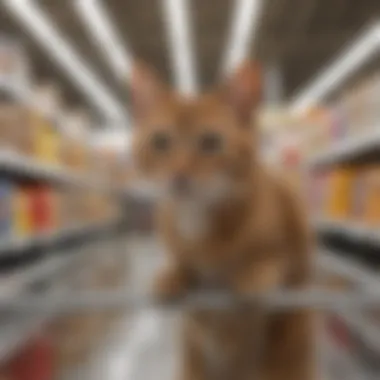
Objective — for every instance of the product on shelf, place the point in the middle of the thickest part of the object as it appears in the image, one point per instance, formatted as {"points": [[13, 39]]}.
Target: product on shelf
{"points": [[22, 218], [73, 153], [6, 192], [372, 200], [13, 122], [354, 114], [46, 140], [350, 193], [47, 100], [35, 361], [14, 67], [43, 209], [30, 128]]}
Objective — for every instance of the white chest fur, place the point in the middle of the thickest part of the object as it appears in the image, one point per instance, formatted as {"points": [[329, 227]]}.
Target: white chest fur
{"points": [[192, 221]]}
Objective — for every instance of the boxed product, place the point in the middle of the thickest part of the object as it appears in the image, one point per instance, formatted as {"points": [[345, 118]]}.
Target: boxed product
{"points": [[14, 78], [372, 200], [359, 192], [46, 134], [14, 126], [14, 68], [44, 207], [46, 140], [35, 361], [75, 207], [75, 152], [6, 211], [339, 197], [22, 216]]}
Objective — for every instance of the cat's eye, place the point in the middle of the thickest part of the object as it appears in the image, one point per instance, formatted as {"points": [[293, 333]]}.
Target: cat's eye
{"points": [[161, 141], [210, 143]]}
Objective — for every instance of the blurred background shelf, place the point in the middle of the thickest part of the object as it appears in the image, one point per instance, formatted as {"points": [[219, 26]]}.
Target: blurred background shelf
{"points": [[348, 150], [17, 165], [329, 261], [350, 231], [49, 240]]}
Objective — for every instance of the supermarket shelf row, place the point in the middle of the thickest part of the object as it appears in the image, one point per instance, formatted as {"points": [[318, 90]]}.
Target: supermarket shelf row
{"points": [[348, 149], [352, 270], [30, 168], [350, 230], [17, 328], [13, 284], [360, 326], [52, 239]]}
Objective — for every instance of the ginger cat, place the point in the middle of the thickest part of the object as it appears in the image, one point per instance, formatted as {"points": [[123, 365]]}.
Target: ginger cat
{"points": [[228, 224]]}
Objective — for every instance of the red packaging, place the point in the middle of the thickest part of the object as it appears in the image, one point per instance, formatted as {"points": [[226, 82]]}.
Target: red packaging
{"points": [[43, 209], [34, 362]]}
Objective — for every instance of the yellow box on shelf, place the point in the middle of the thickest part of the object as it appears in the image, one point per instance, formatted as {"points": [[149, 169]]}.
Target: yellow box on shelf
{"points": [[372, 200], [22, 219], [339, 197], [46, 140]]}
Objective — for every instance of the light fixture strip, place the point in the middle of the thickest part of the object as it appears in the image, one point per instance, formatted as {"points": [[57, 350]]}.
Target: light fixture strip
{"points": [[97, 19], [355, 55], [177, 20], [243, 29], [39, 25]]}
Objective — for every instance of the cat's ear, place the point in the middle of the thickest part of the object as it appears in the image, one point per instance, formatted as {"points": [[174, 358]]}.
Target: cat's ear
{"points": [[243, 90], [146, 89]]}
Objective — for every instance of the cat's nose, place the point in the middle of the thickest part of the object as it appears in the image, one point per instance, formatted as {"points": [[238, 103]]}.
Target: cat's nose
{"points": [[181, 184]]}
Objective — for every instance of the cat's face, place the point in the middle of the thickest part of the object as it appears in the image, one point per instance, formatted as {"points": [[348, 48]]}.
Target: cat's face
{"points": [[191, 149]]}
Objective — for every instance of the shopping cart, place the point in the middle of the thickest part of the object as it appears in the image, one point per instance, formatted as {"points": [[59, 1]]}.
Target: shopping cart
{"points": [[146, 342]]}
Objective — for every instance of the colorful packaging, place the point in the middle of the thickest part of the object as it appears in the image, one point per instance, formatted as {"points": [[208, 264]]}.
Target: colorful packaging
{"points": [[359, 194], [46, 140], [22, 221], [12, 121], [372, 201], [339, 197], [43, 209], [34, 362], [6, 191]]}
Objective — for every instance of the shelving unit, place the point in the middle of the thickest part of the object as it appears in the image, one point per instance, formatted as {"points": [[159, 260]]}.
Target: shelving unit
{"points": [[52, 239], [16, 329], [347, 150], [31, 168], [50, 263], [350, 231], [27, 167]]}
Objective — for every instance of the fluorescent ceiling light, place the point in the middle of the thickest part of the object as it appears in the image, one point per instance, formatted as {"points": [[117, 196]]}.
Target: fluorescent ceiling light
{"points": [[243, 27], [39, 25], [177, 20], [355, 55], [99, 23]]}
